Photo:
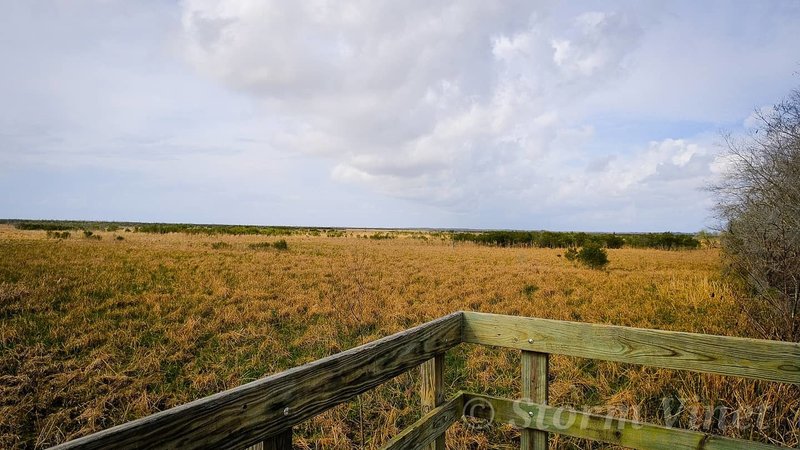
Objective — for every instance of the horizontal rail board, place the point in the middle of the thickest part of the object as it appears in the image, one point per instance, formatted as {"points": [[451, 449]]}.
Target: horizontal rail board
{"points": [[430, 426], [750, 358], [626, 433], [252, 412]]}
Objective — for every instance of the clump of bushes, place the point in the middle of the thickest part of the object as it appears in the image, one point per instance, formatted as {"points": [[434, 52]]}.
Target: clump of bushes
{"points": [[278, 245], [590, 255], [220, 245], [58, 234], [89, 234], [593, 256], [529, 289], [758, 204]]}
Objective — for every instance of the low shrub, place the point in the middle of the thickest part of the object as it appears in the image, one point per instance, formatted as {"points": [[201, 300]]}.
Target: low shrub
{"points": [[281, 244], [259, 246], [593, 256], [220, 245], [529, 289], [89, 234]]}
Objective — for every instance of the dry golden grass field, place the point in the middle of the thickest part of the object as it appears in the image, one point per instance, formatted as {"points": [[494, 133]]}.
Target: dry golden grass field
{"points": [[94, 333]]}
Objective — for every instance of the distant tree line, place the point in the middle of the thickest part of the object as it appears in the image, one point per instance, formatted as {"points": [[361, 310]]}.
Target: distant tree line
{"points": [[214, 229], [47, 226], [159, 228], [554, 239], [542, 239]]}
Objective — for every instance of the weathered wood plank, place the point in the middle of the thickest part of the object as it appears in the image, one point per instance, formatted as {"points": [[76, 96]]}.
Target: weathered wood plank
{"points": [[610, 430], [252, 412], [425, 430], [534, 389], [280, 441], [432, 391], [750, 358]]}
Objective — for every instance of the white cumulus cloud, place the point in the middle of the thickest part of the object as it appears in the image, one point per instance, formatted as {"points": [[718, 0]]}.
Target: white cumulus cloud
{"points": [[440, 102]]}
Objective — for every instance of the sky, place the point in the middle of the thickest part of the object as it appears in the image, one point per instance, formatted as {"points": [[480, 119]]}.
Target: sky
{"points": [[593, 116]]}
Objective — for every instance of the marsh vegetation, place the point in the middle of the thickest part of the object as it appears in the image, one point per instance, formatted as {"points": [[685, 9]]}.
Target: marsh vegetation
{"points": [[98, 332]]}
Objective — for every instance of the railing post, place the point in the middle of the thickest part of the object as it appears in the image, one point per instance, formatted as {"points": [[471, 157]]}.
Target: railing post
{"points": [[534, 389], [280, 441], [432, 391]]}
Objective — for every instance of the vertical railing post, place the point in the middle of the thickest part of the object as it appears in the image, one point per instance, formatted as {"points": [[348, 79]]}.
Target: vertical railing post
{"points": [[280, 441], [534, 388], [432, 391]]}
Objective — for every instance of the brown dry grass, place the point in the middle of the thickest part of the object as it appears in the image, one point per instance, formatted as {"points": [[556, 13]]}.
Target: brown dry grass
{"points": [[95, 333]]}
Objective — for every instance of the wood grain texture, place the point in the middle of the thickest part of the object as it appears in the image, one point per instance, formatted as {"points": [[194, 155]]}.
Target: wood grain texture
{"points": [[253, 412], [750, 358], [534, 389], [432, 391], [621, 432], [424, 431], [280, 441]]}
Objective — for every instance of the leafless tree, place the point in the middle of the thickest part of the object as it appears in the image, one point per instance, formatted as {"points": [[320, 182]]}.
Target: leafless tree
{"points": [[758, 202]]}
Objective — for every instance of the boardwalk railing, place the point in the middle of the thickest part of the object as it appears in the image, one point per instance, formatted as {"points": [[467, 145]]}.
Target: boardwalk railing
{"points": [[261, 414]]}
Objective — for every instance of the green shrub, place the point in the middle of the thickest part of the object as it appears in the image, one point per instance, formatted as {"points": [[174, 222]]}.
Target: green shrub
{"points": [[281, 244], [571, 254], [220, 245], [259, 246], [614, 241], [529, 289], [89, 234], [593, 256], [119, 238]]}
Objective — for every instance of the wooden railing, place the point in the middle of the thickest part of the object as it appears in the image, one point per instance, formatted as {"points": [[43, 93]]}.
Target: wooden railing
{"points": [[261, 414]]}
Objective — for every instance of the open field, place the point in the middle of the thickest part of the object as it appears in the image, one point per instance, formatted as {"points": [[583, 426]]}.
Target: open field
{"points": [[97, 332]]}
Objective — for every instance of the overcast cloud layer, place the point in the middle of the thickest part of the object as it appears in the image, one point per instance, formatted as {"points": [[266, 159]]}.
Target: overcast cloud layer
{"points": [[595, 116]]}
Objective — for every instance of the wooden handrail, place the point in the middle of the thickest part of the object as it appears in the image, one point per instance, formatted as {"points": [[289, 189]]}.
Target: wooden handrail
{"points": [[248, 414], [723, 355], [430, 427], [611, 430], [266, 410]]}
